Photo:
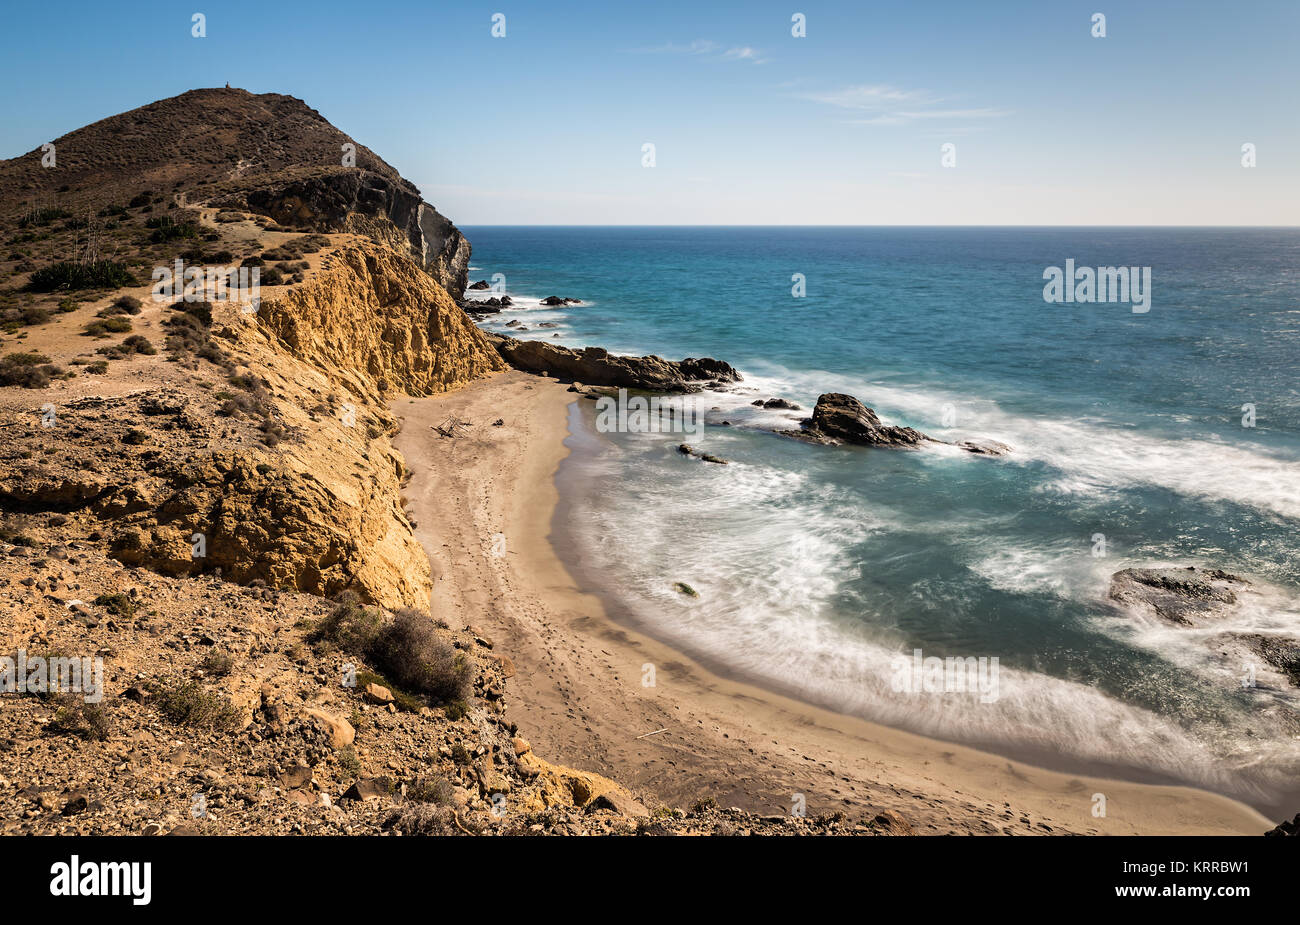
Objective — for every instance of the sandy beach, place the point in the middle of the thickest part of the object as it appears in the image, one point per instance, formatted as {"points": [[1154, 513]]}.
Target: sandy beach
{"points": [[484, 502]]}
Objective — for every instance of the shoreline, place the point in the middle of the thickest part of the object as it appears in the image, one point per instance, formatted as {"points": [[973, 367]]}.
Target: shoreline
{"points": [[577, 694]]}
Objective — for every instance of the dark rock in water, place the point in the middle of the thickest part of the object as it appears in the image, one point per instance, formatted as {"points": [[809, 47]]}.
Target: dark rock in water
{"points": [[486, 306], [840, 418], [1287, 828], [1282, 652], [481, 284], [778, 404], [597, 366], [687, 450], [548, 324], [556, 300], [1179, 595], [984, 447]]}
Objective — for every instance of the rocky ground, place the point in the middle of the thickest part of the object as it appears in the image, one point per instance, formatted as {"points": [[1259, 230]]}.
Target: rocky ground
{"points": [[223, 712]]}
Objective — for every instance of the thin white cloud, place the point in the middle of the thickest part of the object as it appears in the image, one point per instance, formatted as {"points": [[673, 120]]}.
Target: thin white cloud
{"points": [[705, 48], [883, 104], [698, 47], [744, 53], [903, 116], [871, 97]]}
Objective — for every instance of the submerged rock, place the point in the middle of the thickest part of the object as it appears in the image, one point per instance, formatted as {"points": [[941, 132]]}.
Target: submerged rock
{"points": [[984, 447], [557, 300], [687, 450], [1177, 595], [1281, 652]]}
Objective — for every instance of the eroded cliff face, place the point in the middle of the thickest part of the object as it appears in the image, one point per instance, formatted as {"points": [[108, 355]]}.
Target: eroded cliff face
{"points": [[269, 459], [375, 323], [388, 210], [200, 494]]}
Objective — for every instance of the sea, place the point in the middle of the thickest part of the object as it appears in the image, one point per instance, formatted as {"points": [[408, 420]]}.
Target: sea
{"points": [[1144, 433]]}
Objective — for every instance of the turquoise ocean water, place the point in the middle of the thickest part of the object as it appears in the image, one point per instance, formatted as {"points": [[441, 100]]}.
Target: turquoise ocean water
{"points": [[817, 566]]}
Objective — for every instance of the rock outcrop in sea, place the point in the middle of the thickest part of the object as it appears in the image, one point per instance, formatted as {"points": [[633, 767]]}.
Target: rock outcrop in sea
{"points": [[1186, 596], [597, 366], [839, 419]]}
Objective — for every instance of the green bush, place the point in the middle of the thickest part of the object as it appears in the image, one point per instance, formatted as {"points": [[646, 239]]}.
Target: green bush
{"points": [[167, 229], [105, 326], [28, 315], [200, 310], [28, 370], [429, 790], [118, 604], [138, 343], [410, 651], [122, 305], [77, 717], [186, 703], [349, 626], [102, 274], [43, 216], [217, 664]]}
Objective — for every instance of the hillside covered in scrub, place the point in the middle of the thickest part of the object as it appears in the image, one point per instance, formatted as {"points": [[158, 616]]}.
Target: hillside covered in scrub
{"points": [[202, 493]]}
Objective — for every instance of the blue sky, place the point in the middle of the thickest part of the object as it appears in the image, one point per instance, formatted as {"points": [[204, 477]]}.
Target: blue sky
{"points": [[750, 125]]}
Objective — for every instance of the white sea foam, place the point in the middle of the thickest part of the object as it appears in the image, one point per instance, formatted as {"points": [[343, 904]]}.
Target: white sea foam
{"points": [[1065, 570], [1093, 457], [767, 550]]}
